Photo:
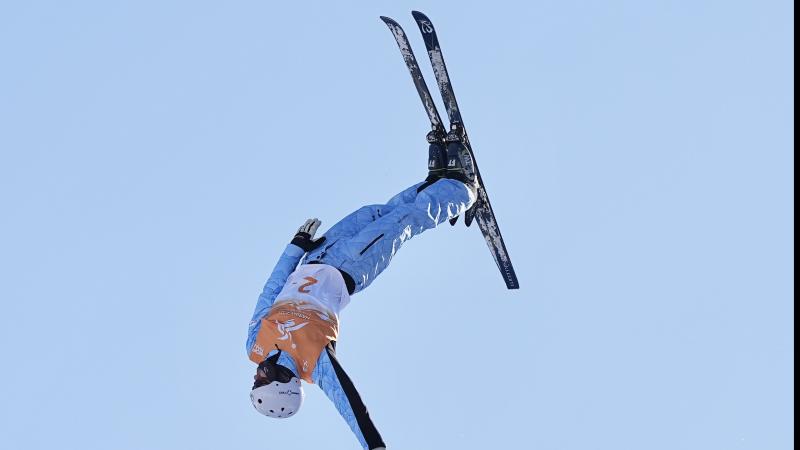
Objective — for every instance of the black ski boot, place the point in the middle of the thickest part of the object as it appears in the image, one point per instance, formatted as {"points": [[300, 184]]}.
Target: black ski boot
{"points": [[437, 159], [437, 162], [460, 165]]}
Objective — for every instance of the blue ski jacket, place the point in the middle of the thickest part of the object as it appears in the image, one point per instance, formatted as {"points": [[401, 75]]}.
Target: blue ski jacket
{"points": [[328, 373], [361, 245]]}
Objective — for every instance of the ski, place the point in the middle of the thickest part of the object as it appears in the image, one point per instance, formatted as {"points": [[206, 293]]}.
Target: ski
{"points": [[482, 210]]}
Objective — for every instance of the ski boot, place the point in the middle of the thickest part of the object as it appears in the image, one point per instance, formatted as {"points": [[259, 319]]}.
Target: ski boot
{"points": [[460, 165], [437, 159]]}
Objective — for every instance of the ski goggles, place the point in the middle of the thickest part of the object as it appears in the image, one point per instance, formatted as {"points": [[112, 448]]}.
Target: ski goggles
{"points": [[269, 371]]}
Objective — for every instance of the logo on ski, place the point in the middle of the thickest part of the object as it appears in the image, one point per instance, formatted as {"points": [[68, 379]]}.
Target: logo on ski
{"points": [[426, 27]]}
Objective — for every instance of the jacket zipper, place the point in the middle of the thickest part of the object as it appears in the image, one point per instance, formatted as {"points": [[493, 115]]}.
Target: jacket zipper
{"points": [[371, 244]]}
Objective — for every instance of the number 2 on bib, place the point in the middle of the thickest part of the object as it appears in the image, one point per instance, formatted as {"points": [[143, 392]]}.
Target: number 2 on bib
{"points": [[310, 281]]}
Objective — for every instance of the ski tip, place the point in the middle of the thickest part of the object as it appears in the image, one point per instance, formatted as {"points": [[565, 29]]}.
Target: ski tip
{"points": [[394, 27], [419, 16]]}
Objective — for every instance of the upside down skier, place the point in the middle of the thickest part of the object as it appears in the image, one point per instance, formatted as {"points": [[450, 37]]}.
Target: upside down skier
{"points": [[293, 332]]}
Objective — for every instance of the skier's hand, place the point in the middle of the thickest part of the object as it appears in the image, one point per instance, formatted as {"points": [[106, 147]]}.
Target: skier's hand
{"points": [[305, 235]]}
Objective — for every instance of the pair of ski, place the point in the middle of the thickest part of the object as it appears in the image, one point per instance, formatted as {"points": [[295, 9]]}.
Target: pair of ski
{"points": [[482, 210]]}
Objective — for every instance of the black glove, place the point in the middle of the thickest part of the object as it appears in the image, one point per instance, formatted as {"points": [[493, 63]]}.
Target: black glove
{"points": [[305, 235]]}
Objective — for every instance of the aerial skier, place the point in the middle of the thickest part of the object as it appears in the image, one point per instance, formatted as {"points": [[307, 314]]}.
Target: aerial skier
{"points": [[294, 329], [293, 332]]}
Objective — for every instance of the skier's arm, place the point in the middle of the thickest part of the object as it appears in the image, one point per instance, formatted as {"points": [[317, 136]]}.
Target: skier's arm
{"points": [[338, 387], [287, 263], [301, 243]]}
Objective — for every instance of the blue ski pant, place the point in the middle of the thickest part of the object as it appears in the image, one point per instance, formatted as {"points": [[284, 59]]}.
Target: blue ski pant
{"points": [[363, 243]]}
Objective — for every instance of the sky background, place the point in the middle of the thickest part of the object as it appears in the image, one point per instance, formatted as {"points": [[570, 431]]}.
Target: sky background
{"points": [[156, 157]]}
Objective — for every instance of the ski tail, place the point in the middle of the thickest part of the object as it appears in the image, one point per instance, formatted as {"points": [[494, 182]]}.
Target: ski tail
{"points": [[484, 216]]}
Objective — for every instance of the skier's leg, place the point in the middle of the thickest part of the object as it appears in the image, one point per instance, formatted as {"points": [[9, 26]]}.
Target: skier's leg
{"points": [[408, 195], [353, 223], [365, 255]]}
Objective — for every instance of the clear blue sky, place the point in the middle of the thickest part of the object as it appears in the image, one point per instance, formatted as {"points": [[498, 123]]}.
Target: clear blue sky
{"points": [[157, 156]]}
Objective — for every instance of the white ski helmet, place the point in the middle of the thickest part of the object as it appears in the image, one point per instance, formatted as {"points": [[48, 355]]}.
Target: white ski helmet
{"points": [[278, 400]]}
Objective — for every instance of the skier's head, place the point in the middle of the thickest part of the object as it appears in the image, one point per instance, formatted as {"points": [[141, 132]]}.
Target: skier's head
{"points": [[277, 391]]}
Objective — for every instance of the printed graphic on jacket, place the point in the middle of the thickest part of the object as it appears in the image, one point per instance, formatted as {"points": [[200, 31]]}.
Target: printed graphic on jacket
{"points": [[300, 328]]}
